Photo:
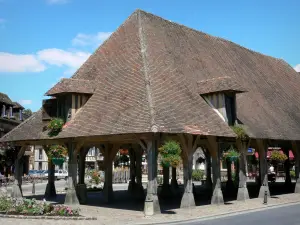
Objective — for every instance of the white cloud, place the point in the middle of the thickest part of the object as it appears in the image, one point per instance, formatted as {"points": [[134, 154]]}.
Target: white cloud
{"points": [[90, 39], [52, 2], [297, 68], [60, 57], [25, 102], [20, 63]]}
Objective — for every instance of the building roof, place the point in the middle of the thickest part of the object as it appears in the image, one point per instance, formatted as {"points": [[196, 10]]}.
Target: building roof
{"points": [[146, 78], [17, 105], [72, 86], [219, 84], [5, 99]]}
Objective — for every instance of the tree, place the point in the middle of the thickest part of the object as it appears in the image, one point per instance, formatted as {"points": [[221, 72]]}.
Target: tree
{"points": [[170, 154], [27, 112]]}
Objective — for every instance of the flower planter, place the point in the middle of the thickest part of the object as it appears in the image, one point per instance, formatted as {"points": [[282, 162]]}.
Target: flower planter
{"points": [[58, 161], [233, 158]]}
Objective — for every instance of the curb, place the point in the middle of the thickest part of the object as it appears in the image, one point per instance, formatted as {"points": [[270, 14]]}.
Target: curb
{"points": [[222, 215], [47, 217]]}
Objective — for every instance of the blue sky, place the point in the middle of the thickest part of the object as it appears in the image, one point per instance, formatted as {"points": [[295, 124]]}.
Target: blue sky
{"points": [[42, 41]]}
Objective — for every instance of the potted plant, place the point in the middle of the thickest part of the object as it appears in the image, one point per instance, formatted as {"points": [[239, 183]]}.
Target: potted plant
{"points": [[277, 157], [55, 126], [57, 153], [231, 155]]}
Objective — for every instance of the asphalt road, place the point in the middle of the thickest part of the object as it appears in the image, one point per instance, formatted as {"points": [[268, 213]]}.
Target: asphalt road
{"points": [[287, 215]]}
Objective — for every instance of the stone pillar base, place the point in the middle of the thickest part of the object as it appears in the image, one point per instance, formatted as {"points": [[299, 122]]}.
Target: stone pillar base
{"points": [[262, 191], [71, 196], [151, 206], [81, 193], [297, 186], [166, 191], [50, 190], [16, 191], [217, 197], [243, 194], [187, 200]]}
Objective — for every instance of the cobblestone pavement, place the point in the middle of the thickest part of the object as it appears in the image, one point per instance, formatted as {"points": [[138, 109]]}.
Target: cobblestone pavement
{"points": [[117, 216]]}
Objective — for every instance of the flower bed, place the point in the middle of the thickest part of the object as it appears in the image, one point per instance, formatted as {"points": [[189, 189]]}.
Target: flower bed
{"points": [[32, 207]]}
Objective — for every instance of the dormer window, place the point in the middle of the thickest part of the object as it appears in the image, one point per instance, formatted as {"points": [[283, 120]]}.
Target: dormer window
{"points": [[220, 94], [70, 95]]}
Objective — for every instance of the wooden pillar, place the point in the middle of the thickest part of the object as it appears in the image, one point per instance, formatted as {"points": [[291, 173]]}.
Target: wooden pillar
{"points": [[243, 193], [131, 186], [288, 180], [208, 169], [109, 154], [139, 190], [189, 144], [151, 203], [50, 188], [214, 146], [71, 195], [17, 186], [174, 183], [263, 167], [81, 186], [295, 148]]}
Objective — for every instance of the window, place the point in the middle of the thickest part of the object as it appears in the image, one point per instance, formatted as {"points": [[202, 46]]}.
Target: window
{"points": [[21, 115], [40, 154], [40, 166], [230, 109]]}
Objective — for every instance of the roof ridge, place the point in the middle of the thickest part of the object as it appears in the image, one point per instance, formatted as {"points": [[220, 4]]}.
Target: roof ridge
{"points": [[142, 38], [209, 35]]}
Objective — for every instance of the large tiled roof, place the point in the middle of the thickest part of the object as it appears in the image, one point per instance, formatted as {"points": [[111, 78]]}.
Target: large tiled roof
{"points": [[147, 80]]}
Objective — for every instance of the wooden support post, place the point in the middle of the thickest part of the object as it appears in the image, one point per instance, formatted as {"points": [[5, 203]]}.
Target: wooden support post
{"points": [[243, 193], [263, 167], [71, 195], [139, 190], [17, 186], [151, 203], [132, 184], [214, 148], [296, 151], [50, 188], [109, 154], [189, 145], [81, 186]]}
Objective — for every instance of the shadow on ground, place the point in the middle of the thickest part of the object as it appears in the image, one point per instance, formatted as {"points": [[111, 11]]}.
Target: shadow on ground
{"points": [[124, 200]]}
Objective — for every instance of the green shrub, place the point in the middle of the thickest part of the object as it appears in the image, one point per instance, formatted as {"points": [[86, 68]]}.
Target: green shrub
{"points": [[197, 175], [170, 154], [293, 174], [5, 203]]}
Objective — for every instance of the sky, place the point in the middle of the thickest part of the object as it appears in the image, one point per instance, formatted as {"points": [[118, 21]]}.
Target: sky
{"points": [[42, 41]]}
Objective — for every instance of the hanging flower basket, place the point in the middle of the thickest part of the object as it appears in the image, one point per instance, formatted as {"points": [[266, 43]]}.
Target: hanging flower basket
{"points": [[231, 155], [58, 161], [57, 154]]}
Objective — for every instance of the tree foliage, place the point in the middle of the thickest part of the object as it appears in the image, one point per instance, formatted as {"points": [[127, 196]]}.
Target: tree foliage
{"points": [[27, 112], [170, 153]]}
